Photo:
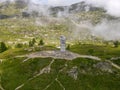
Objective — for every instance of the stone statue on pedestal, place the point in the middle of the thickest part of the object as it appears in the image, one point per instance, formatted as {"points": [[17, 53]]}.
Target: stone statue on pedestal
{"points": [[62, 43]]}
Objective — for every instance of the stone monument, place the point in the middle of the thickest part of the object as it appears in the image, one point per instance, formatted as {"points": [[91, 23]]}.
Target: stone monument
{"points": [[62, 43]]}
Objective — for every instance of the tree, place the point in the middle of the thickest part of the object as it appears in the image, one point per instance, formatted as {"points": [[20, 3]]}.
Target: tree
{"points": [[3, 47], [30, 44], [33, 41], [68, 47], [41, 42], [116, 43], [19, 45], [91, 51]]}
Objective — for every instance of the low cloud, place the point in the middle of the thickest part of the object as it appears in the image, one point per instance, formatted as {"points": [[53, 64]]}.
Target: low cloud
{"points": [[108, 30], [112, 6]]}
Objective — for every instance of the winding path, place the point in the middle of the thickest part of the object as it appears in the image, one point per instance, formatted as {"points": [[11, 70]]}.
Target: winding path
{"points": [[44, 70]]}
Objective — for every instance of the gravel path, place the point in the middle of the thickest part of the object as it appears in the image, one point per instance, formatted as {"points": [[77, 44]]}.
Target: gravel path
{"points": [[58, 55]]}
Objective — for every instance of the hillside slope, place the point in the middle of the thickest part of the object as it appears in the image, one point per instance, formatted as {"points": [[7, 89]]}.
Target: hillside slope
{"points": [[52, 74]]}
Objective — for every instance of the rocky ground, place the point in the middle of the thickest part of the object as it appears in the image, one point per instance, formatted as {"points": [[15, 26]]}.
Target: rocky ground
{"points": [[67, 55]]}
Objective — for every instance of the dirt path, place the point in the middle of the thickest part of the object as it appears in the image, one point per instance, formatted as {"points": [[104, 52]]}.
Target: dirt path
{"points": [[46, 69], [1, 88], [58, 55], [64, 55], [113, 64], [56, 79], [61, 85]]}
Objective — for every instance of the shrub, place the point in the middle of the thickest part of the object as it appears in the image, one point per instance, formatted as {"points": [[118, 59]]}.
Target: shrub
{"points": [[3, 47], [33, 41], [91, 51], [116, 43], [41, 42], [30, 44], [68, 47], [19, 45]]}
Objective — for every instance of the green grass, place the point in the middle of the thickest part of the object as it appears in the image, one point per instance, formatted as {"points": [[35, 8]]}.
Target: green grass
{"points": [[11, 53], [13, 73], [90, 82], [104, 52], [116, 62]]}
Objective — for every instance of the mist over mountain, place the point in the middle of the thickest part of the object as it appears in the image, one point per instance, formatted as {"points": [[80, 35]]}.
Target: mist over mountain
{"points": [[112, 7], [40, 9]]}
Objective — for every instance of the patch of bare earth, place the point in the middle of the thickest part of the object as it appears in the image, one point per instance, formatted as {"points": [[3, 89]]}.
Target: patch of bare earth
{"points": [[67, 55]]}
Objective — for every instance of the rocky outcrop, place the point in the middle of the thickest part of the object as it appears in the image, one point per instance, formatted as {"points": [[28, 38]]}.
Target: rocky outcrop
{"points": [[103, 66], [74, 8], [73, 72]]}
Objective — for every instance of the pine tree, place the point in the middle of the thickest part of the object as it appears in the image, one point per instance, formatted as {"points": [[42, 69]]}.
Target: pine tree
{"points": [[33, 41], [3, 47], [30, 44], [41, 42], [116, 43], [19, 45], [68, 47]]}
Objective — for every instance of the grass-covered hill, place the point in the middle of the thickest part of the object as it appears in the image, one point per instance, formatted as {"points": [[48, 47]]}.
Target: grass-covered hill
{"points": [[19, 73], [63, 75]]}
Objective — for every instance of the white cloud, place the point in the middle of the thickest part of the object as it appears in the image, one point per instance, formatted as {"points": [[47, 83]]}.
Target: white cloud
{"points": [[62, 2], [107, 30], [112, 6]]}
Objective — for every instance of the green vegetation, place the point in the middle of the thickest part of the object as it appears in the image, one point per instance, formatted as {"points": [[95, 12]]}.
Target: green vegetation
{"points": [[10, 53], [41, 42], [116, 61], [25, 29], [116, 43], [68, 47], [94, 16], [19, 45], [3, 47], [102, 51], [14, 72], [31, 44]]}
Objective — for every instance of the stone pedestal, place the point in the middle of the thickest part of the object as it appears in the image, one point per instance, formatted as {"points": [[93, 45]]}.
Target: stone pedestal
{"points": [[62, 43]]}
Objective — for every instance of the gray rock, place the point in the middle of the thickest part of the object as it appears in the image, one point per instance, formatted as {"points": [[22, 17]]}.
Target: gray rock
{"points": [[103, 66], [73, 72]]}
